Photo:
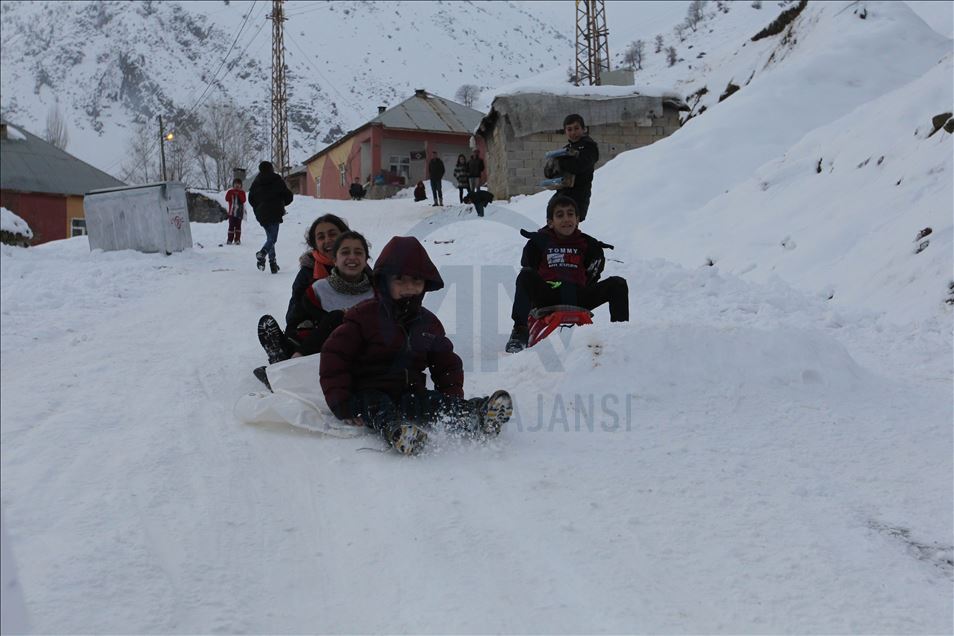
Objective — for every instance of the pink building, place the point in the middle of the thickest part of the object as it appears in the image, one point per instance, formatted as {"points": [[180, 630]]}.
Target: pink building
{"points": [[396, 144]]}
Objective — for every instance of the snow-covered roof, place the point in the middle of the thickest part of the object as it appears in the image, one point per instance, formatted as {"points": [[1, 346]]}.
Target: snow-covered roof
{"points": [[425, 111], [30, 164], [543, 109]]}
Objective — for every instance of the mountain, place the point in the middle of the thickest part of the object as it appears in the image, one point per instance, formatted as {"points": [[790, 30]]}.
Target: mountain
{"points": [[110, 63]]}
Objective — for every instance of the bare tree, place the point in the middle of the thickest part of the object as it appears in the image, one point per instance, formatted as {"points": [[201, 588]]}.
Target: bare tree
{"points": [[467, 94], [680, 31], [695, 13], [141, 164], [659, 43], [226, 139], [56, 132], [633, 55], [671, 56]]}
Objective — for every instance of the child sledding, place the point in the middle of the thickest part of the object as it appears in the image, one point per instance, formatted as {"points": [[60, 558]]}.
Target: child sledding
{"points": [[561, 268], [372, 366]]}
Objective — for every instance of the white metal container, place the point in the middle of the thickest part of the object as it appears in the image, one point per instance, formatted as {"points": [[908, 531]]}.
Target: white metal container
{"points": [[147, 218]]}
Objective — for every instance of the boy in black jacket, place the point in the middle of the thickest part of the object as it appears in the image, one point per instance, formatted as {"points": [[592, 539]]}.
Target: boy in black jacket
{"points": [[562, 266], [269, 195], [581, 165]]}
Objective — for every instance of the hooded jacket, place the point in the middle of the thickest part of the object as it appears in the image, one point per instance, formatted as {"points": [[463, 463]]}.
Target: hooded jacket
{"points": [[386, 345]]}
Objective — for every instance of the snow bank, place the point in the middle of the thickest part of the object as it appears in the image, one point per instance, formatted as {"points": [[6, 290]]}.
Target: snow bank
{"points": [[10, 222]]}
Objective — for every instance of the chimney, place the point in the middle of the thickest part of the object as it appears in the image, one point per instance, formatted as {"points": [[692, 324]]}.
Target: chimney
{"points": [[381, 109], [420, 92]]}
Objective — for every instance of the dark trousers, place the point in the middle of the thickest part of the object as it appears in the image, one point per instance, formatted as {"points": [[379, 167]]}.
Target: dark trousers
{"points": [[437, 191], [532, 291], [235, 229], [479, 206], [271, 236], [460, 192], [382, 413]]}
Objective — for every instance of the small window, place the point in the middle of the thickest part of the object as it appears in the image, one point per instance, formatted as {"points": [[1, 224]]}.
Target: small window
{"points": [[318, 186], [401, 166], [77, 227], [342, 175]]}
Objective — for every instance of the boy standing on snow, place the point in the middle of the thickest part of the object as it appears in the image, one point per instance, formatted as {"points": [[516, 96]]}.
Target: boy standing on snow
{"points": [[562, 266], [435, 168], [581, 166], [235, 198], [372, 366]]}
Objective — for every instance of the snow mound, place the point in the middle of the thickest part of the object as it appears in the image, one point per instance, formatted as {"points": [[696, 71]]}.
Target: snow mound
{"points": [[10, 222]]}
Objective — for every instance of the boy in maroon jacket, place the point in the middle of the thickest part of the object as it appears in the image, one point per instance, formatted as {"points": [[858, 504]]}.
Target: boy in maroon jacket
{"points": [[562, 266], [236, 200], [372, 366]]}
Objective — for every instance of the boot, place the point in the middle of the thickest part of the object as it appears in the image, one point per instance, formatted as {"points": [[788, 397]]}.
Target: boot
{"points": [[272, 339], [259, 372], [408, 439], [518, 339], [494, 412], [274, 267], [260, 260]]}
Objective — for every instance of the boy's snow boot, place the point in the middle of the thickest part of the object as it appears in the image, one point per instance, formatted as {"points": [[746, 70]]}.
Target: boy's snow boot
{"points": [[273, 265], [260, 260], [259, 372], [408, 439], [518, 339], [494, 412], [272, 339]]}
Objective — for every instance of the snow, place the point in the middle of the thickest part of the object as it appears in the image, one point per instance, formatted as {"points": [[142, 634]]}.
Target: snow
{"points": [[745, 455], [14, 133], [10, 222]]}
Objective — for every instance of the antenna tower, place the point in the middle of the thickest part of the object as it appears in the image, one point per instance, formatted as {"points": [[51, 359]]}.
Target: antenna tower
{"points": [[592, 43], [279, 136]]}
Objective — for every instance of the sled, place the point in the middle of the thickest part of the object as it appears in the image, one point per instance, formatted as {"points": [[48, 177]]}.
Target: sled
{"points": [[545, 320], [555, 179]]}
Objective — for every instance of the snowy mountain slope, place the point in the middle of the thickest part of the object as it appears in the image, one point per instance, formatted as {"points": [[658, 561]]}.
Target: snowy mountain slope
{"points": [[812, 98], [109, 63], [734, 459]]}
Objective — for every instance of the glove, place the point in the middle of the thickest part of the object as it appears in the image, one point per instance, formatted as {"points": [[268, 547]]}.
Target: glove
{"points": [[554, 284]]}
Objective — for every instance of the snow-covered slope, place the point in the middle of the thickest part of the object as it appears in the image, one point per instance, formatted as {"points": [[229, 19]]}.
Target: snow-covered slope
{"points": [[739, 185], [109, 63], [737, 458], [745, 455]]}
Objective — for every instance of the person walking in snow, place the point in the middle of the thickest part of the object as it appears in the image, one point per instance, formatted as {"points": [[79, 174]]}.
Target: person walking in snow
{"points": [[562, 266], [235, 198], [475, 170], [581, 165], [268, 196], [435, 168], [460, 176], [372, 366]]}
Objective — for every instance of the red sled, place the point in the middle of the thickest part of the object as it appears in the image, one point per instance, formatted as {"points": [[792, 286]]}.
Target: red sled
{"points": [[544, 320]]}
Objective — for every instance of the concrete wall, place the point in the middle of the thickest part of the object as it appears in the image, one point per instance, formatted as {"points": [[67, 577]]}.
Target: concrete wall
{"points": [[515, 164]]}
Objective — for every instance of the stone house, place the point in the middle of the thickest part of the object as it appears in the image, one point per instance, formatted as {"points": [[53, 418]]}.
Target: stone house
{"points": [[521, 128]]}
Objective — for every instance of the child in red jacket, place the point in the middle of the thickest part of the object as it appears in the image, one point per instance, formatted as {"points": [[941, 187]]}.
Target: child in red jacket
{"points": [[235, 198], [372, 366]]}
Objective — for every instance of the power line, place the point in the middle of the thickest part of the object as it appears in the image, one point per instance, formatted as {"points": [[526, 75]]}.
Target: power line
{"points": [[224, 60], [322, 75]]}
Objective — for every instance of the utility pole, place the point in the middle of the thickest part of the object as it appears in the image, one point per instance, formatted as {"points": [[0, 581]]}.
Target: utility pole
{"points": [[162, 147], [592, 43], [279, 136]]}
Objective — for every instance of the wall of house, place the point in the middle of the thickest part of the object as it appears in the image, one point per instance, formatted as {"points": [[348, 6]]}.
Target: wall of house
{"points": [[74, 210], [44, 213], [515, 165]]}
